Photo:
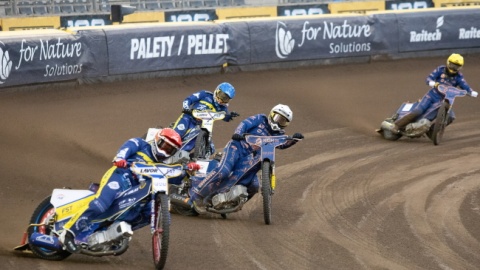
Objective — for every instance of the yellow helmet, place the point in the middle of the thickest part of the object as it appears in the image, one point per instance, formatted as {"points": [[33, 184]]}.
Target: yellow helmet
{"points": [[454, 62]]}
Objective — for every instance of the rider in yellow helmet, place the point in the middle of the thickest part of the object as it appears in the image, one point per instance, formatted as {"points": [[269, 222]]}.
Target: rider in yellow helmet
{"points": [[448, 74]]}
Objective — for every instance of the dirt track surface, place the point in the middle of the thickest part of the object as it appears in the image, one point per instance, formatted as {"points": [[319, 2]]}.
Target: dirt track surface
{"points": [[345, 198]]}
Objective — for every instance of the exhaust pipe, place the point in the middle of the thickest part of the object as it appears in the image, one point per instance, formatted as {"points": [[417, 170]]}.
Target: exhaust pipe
{"points": [[180, 200]]}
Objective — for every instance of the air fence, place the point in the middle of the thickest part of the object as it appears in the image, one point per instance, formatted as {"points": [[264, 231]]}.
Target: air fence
{"points": [[88, 54]]}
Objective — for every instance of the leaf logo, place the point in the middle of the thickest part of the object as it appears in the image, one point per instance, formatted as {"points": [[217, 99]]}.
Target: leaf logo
{"points": [[5, 64], [284, 43], [440, 22]]}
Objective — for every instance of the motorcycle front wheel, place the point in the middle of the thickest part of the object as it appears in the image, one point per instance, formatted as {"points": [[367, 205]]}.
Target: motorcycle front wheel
{"points": [[161, 234], [440, 123], [42, 215], [267, 191], [202, 146]]}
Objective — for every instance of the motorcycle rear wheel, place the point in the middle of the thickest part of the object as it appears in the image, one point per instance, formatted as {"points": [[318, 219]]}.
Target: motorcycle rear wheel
{"points": [[160, 238], [202, 146], [44, 211], [440, 123], [267, 191]]}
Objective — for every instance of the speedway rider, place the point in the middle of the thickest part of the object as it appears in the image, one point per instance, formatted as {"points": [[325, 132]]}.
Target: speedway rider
{"points": [[448, 74], [203, 100], [119, 178], [240, 160]]}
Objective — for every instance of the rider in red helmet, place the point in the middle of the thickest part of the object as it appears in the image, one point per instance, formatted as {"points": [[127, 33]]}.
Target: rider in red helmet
{"points": [[118, 179]]}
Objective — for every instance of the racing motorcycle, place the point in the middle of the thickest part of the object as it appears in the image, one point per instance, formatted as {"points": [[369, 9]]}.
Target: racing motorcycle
{"points": [[431, 123], [197, 141], [111, 232], [233, 200]]}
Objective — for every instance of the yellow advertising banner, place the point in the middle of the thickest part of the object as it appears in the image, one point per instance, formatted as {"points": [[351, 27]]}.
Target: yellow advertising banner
{"points": [[29, 23], [356, 7], [246, 12], [144, 17], [456, 3]]}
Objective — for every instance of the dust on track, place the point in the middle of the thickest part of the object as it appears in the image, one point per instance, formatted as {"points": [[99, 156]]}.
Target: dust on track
{"points": [[345, 198]]}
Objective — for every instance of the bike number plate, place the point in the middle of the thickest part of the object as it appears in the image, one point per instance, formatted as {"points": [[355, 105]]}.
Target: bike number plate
{"points": [[160, 184], [407, 107]]}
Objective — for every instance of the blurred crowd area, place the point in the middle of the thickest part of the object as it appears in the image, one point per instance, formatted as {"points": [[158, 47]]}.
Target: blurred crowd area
{"points": [[46, 7]]}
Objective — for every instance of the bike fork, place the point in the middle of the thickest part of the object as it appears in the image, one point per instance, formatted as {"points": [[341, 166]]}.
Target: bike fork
{"points": [[273, 180], [152, 214]]}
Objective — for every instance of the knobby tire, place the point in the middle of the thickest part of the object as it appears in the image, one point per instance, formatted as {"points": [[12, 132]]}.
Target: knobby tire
{"points": [[267, 191], [37, 217], [440, 123], [160, 237], [202, 146]]}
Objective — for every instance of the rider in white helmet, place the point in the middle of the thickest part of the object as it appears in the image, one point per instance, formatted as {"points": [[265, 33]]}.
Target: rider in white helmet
{"points": [[239, 159]]}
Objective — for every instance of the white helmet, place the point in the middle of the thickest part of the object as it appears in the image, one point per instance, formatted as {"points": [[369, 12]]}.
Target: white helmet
{"points": [[280, 116]]}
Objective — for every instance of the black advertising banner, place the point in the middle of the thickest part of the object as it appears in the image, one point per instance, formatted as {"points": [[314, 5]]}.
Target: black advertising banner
{"points": [[439, 30], [85, 20], [166, 47], [194, 15], [239, 48], [95, 58], [296, 10], [48, 56], [325, 37], [405, 4]]}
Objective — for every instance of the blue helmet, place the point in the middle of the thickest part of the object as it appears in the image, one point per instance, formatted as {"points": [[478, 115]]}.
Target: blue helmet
{"points": [[224, 93]]}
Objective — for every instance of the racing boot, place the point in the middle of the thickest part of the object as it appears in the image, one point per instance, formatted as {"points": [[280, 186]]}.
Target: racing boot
{"points": [[402, 122], [197, 202], [67, 238]]}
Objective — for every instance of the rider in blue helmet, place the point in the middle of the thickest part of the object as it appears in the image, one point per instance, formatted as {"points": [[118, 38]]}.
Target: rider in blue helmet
{"points": [[223, 93], [205, 100]]}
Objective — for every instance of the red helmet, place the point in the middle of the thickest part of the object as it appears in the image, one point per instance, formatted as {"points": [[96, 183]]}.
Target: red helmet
{"points": [[166, 143]]}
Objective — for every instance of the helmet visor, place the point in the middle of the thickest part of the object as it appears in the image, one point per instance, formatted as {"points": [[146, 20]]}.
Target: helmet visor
{"points": [[166, 147], [221, 97], [454, 67], [280, 120]]}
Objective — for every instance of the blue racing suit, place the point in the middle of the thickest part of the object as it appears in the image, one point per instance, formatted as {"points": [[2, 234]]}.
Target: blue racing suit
{"points": [[202, 100], [440, 75], [239, 163], [114, 183]]}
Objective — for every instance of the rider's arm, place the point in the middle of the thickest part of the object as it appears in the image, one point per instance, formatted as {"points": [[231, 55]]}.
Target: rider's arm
{"points": [[249, 125], [460, 80], [287, 144], [193, 98], [228, 116], [433, 77], [128, 149]]}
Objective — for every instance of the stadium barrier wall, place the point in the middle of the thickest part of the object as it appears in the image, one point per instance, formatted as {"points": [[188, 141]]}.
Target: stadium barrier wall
{"points": [[88, 54], [209, 13]]}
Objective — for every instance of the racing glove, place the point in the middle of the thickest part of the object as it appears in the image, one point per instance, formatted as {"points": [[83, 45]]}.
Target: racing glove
{"points": [[474, 93], [234, 114], [298, 136], [120, 163], [433, 84], [187, 111], [192, 166], [237, 137]]}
